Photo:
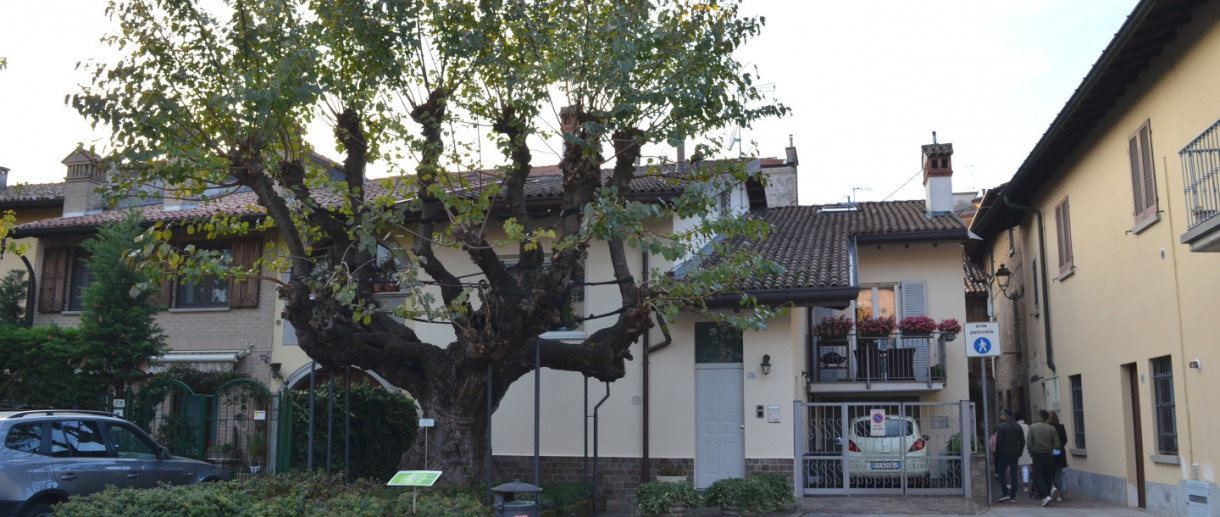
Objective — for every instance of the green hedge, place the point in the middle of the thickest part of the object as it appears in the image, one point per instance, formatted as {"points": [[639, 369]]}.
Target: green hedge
{"points": [[38, 369], [296, 494], [384, 425]]}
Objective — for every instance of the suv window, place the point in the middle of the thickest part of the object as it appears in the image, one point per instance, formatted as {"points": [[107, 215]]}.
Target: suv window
{"points": [[25, 437], [129, 444], [77, 439]]}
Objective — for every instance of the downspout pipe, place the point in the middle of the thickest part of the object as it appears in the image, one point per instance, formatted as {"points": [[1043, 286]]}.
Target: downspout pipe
{"points": [[1046, 301], [29, 294]]}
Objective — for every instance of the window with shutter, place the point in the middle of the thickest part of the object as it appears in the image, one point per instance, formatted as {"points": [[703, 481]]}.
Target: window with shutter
{"points": [[244, 293], [1143, 178], [1063, 227], [915, 303], [53, 284]]}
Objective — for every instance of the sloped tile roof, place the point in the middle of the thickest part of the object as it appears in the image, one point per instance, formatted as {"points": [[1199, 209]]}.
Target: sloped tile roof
{"points": [[32, 192], [545, 186], [813, 245]]}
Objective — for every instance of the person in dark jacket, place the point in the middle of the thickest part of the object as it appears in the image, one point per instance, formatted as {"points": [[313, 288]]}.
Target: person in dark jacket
{"points": [[1009, 444], [1061, 461]]}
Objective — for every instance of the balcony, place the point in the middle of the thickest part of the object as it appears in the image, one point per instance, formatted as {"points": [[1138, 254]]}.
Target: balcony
{"points": [[895, 363], [1201, 177]]}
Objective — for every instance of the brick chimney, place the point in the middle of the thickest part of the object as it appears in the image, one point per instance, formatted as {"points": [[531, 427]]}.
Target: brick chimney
{"points": [[80, 186], [938, 177]]}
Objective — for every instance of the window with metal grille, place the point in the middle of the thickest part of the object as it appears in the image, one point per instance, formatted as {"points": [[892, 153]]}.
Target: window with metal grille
{"points": [[1077, 410], [1143, 179], [1063, 225], [1166, 414]]}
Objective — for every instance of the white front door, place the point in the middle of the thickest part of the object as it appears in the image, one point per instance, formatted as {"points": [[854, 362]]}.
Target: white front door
{"points": [[719, 423]]}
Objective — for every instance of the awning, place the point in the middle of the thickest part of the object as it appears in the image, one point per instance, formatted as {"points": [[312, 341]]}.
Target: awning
{"points": [[205, 360]]}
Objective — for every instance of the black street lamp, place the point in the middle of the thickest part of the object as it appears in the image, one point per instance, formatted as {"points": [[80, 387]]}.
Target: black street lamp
{"points": [[1002, 276]]}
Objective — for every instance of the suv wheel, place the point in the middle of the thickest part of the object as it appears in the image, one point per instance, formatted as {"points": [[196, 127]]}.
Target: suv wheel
{"points": [[38, 510]]}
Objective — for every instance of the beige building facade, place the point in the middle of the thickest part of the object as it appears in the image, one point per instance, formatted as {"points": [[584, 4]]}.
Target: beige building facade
{"points": [[1114, 284]]}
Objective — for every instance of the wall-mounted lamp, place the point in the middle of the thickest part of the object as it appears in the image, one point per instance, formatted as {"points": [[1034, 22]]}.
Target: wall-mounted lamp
{"points": [[275, 371], [766, 364], [264, 358], [1035, 378], [1196, 364], [1002, 277]]}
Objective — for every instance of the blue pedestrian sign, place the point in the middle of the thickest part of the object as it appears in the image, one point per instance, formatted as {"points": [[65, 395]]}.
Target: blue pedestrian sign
{"points": [[982, 346], [982, 339]]}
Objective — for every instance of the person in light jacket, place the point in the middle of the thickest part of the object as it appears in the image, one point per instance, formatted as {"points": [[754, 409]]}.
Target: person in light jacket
{"points": [[1025, 462]]}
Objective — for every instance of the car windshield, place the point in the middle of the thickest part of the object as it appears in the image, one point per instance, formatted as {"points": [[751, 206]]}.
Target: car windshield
{"points": [[894, 427]]}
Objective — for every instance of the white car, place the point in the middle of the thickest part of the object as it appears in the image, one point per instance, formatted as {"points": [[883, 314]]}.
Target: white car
{"points": [[882, 455]]}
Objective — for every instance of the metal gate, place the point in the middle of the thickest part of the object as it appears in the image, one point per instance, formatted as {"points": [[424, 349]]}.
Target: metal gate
{"points": [[883, 447], [236, 427]]}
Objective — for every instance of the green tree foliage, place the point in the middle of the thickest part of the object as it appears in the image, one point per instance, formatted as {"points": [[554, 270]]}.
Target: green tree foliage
{"points": [[14, 291], [384, 424], [40, 367], [209, 96], [117, 327]]}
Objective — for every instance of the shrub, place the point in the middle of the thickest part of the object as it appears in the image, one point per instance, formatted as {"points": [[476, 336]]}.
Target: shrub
{"points": [[775, 490], [733, 492], [38, 369], [384, 425], [917, 325], [13, 291], [296, 494], [652, 499], [833, 327]]}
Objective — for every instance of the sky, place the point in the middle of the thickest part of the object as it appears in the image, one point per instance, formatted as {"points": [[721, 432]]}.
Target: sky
{"points": [[867, 81]]}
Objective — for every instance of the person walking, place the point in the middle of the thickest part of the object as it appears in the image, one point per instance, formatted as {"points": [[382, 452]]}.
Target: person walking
{"points": [[1009, 445], [1060, 461], [1043, 444], [1024, 462]]}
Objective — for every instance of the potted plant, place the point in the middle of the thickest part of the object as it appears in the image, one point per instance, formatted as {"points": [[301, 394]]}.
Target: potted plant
{"points": [[912, 326], [879, 327], [653, 499], [256, 448], [732, 495], [949, 327], [953, 448], [223, 453], [670, 473], [833, 327]]}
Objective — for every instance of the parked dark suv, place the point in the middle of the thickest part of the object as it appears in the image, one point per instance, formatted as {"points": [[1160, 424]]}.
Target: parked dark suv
{"points": [[50, 455]]}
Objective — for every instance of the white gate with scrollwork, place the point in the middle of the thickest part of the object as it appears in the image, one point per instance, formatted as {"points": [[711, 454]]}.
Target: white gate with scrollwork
{"points": [[883, 447]]}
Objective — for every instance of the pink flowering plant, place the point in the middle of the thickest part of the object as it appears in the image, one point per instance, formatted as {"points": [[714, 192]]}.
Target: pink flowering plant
{"points": [[917, 325], [880, 327], [833, 327], [949, 326]]}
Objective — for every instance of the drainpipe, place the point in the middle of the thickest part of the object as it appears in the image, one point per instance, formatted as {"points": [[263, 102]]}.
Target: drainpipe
{"points": [[648, 350], [1046, 301], [29, 294]]}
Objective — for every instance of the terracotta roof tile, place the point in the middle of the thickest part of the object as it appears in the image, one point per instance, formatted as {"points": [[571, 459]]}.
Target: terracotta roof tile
{"points": [[813, 245], [32, 192]]}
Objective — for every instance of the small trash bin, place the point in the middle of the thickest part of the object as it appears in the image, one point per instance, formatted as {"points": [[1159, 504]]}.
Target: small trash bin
{"points": [[507, 503]]}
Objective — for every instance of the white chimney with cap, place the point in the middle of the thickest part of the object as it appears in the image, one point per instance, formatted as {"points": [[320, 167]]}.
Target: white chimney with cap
{"points": [[938, 177]]}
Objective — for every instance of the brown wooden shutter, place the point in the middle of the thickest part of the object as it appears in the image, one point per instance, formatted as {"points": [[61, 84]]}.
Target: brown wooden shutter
{"points": [[1063, 228], [52, 290], [244, 293], [1143, 176], [165, 297]]}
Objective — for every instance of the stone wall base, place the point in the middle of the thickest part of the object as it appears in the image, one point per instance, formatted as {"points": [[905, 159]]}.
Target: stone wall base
{"points": [[617, 477]]}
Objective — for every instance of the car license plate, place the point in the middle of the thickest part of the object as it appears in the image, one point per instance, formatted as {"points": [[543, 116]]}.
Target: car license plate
{"points": [[885, 465]]}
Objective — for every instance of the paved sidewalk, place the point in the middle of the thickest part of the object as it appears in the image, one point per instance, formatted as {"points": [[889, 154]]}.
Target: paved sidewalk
{"points": [[856, 506]]}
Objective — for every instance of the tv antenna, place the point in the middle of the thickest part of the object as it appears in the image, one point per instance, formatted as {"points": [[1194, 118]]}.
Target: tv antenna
{"points": [[735, 134], [857, 189]]}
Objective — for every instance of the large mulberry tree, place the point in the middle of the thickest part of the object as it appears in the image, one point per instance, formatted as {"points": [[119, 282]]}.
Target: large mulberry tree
{"points": [[209, 102]]}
